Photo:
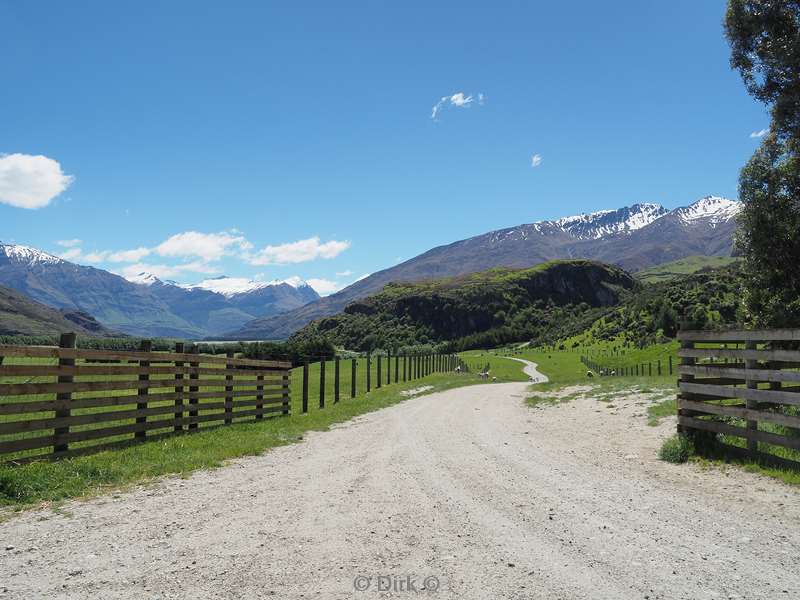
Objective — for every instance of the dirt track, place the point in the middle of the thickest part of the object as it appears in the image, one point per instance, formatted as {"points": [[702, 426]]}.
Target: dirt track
{"points": [[492, 498]]}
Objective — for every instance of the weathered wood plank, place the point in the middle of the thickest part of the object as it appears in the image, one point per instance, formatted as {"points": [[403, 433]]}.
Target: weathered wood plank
{"points": [[81, 353], [739, 335], [760, 375], [18, 408], [720, 391], [762, 355], [33, 389], [749, 434], [85, 370], [741, 412]]}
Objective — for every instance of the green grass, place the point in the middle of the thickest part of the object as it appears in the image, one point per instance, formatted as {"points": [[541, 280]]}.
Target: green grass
{"points": [[665, 408], [676, 449], [684, 266]]}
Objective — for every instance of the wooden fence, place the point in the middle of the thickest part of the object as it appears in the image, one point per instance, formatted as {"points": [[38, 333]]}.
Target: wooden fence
{"points": [[97, 397], [645, 369], [737, 386]]}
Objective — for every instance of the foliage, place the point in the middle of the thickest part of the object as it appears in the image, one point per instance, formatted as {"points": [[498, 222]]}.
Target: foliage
{"points": [[676, 449], [478, 310], [765, 48], [683, 266], [296, 351]]}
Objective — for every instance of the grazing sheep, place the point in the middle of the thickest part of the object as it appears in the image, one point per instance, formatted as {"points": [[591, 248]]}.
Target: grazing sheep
{"points": [[494, 379], [589, 374]]}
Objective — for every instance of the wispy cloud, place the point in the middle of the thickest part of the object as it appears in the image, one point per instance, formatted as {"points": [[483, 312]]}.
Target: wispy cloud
{"points": [[296, 252], [344, 273], [69, 243], [760, 133], [324, 287], [31, 182], [536, 160], [163, 271], [457, 100]]}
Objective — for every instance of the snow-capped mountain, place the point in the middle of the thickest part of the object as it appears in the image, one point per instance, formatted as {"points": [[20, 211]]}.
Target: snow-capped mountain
{"points": [[27, 255], [233, 286], [712, 209], [145, 305], [603, 223], [634, 237]]}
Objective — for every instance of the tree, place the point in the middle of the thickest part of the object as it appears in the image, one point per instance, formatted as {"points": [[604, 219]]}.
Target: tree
{"points": [[765, 48]]}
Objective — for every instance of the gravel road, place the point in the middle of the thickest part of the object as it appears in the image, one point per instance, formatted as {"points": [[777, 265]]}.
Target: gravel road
{"points": [[492, 498]]}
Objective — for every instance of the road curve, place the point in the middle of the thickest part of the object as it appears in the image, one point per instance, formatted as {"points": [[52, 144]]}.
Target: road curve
{"points": [[490, 497]]}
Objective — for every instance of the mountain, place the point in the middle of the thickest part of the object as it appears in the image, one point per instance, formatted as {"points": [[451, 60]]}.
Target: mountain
{"points": [[684, 266], [20, 315], [223, 303], [633, 237], [145, 306], [479, 309]]}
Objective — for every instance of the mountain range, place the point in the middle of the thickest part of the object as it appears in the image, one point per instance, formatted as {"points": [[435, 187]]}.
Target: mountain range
{"points": [[633, 237], [146, 306]]}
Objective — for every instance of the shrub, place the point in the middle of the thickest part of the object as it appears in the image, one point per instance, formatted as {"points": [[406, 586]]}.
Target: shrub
{"points": [[676, 449]]}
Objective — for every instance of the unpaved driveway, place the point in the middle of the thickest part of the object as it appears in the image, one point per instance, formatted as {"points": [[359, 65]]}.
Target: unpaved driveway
{"points": [[493, 498]]}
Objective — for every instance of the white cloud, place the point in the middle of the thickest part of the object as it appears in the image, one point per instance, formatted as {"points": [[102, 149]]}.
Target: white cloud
{"points": [[536, 160], [71, 254], [69, 243], [364, 276], [133, 255], [457, 100], [96, 257], [207, 246], [759, 134], [344, 273], [297, 252], [31, 181], [324, 287]]}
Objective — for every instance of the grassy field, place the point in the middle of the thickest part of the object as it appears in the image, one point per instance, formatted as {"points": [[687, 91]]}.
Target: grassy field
{"points": [[210, 447], [684, 266]]}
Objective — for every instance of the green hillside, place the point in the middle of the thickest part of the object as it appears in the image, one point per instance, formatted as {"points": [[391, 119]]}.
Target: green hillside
{"points": [[480, 309], [684, 266], [20, 315]]}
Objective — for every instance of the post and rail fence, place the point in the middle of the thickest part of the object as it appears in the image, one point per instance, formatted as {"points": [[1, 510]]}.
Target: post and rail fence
{"points": [[643, 369], [749, 405], [58, 401]]}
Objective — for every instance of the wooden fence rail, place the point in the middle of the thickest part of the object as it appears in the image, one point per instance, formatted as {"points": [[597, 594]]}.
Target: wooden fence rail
{"points": [[748, 397], [130, 395]]}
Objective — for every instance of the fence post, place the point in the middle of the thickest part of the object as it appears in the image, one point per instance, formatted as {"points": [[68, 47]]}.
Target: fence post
{"points": [[378, 373], [193, 389], [179, 349], [670, 365], [305, 387], [388, 367], [336, 380], [659, 366], [260, 395], [752, 384], [369, 372], [405, 367], [229, 389], [396, 368], [353, 377], [322, 382], [687, 377], [63, 400], [649, 369], [145, 346], [286, 389]]}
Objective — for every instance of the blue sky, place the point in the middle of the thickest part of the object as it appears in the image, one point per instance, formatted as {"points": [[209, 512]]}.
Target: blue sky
{"points": [[272, 140]]}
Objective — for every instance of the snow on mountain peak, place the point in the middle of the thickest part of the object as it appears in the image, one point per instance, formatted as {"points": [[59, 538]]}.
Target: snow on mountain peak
{"points": [[608, 222], [231, 286], [26, 254], [714, 208], [144, 278]]}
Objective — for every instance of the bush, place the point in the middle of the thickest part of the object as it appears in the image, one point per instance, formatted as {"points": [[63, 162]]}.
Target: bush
{"points": [[676, 449]]}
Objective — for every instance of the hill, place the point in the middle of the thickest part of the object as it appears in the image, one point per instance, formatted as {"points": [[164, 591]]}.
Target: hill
{"points": [[20, 315], [145, 307], [684, 266], [633, 237], [485, 308]]}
